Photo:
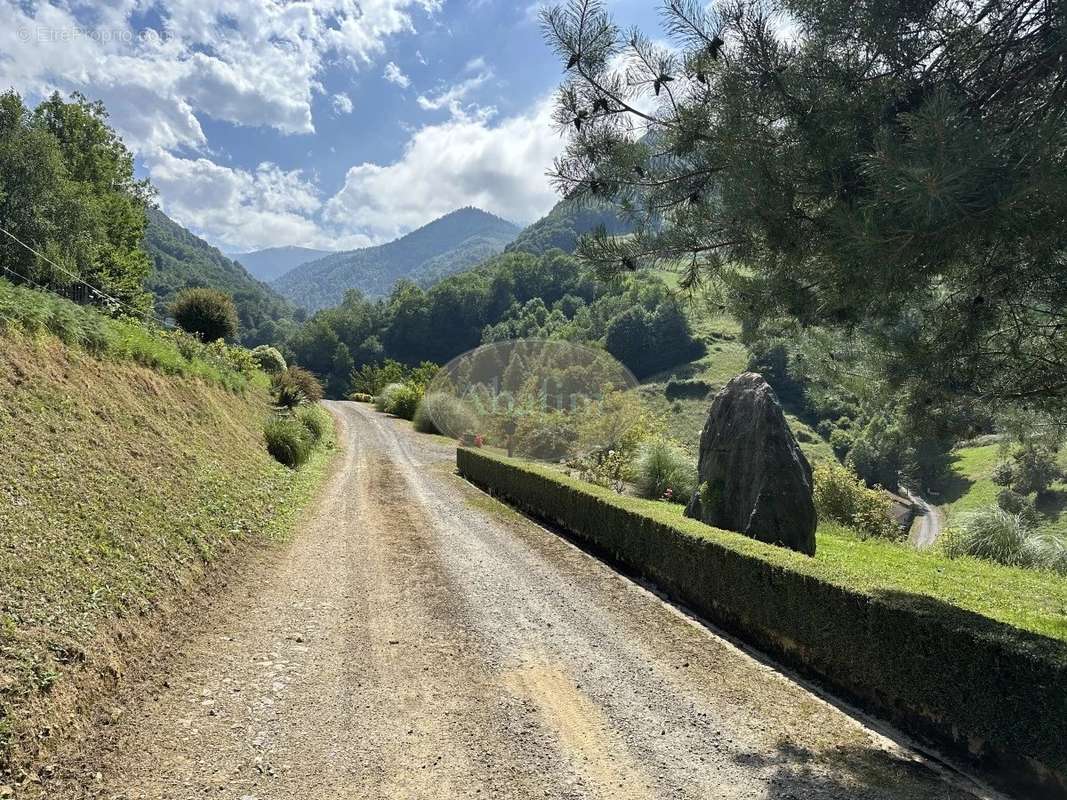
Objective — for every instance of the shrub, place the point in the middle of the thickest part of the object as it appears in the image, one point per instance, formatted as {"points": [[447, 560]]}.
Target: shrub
{"points": [[1035, 469], [444, 414], [404, 401], [663, 466], [400, 399], [610, 469], [997, 535], [384, 398], [842, 496], [841, 441], [1047, 550], [548, 436], [288, 441], [373, 378], [1020, 505], [295, 387], [687, 389], [619, 422], [317, 421], [1003, 473], [269, 359], [207, 313]]}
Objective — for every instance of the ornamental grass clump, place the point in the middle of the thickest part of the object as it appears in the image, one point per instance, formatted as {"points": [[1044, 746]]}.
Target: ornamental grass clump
{"points": [[664, 471], [288, 441]]}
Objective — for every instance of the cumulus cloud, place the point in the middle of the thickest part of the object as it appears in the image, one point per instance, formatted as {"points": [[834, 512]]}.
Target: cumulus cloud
{"points": [[248, 62], [474, 160], [394, 74], [450, 97], [261, 63], [342, 103], [244, 209]]}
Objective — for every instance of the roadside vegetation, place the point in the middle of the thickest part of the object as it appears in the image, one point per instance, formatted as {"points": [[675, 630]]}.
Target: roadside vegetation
{"points": [[36, 314], [136, 466]]}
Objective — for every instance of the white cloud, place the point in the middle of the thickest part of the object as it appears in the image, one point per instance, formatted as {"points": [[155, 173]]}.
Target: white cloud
{"points": [[243, 210], [450, 97], [260, 63], [342, 103], [394, 74], [468, 160], [248, 62]]}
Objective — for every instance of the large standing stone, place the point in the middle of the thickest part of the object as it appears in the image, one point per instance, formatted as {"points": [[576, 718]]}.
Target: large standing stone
{"points": [[752, 475]]}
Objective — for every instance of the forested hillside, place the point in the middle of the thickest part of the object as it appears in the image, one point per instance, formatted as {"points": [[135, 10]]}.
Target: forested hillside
{"points": [[181, 260], [450, 244], [511, 296], [270, 264], [566, 223]]}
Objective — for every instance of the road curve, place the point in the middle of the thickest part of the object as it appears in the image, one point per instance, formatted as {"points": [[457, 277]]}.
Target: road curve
{"points": [[926, 533], [416, 640]]}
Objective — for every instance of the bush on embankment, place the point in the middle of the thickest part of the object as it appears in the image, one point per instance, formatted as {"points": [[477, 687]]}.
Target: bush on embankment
{"points": [[868, 618], [123, 488]]}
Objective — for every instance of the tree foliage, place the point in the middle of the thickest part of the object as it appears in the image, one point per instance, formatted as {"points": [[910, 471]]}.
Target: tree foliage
{"points": [[67, 189], [207, 313], [515, 295], [182, 261], [895, 173]]}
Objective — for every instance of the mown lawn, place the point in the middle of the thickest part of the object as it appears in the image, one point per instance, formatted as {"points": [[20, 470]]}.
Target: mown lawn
{"points": [[1031, 600]]}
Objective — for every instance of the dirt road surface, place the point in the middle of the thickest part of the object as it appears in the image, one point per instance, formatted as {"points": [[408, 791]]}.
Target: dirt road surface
{"points": [[417, 640]]}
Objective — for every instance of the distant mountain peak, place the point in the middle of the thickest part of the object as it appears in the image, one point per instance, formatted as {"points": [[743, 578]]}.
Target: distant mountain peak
{"points": [[452, 243], [271, 263]]}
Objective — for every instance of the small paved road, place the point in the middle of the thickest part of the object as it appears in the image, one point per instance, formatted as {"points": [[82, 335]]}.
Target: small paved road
{"points": [[929, 526], [416, 640]]}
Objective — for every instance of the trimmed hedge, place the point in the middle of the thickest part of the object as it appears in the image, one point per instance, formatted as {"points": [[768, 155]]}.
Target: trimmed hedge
{"points": [[985, 691]]}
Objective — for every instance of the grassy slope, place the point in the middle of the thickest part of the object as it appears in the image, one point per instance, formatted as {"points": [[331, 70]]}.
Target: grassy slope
{"points": [[971, 487], [119, 484], [725, 358]]}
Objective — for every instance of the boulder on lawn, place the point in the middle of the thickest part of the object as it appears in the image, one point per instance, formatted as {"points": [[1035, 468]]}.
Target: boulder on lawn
{"points": [[753, 477]]}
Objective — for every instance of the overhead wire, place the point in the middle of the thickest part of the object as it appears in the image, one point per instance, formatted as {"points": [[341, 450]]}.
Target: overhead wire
{"points": [[93, 290]]}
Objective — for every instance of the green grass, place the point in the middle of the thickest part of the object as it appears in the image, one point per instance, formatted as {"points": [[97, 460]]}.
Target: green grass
{"points": [[1027, 599], [35, 313], [725, 359], [119, 486], [970, 488]]}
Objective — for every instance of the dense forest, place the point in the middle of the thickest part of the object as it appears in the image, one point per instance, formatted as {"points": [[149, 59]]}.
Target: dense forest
{"points": [[510, 296], [181, 260], [563, 227]]}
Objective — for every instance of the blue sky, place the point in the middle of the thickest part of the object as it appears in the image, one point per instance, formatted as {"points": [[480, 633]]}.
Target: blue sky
{"points": [[332, 123]]}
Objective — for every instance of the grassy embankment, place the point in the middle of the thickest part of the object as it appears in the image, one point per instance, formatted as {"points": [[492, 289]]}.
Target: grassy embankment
{"points": [[971, 488], [725, 358], [130, 469]]}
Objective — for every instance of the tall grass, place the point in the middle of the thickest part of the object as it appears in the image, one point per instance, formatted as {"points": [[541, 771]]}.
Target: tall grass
{"points": [[36, 313], [289, 441], [997, 535], [662, 466]]}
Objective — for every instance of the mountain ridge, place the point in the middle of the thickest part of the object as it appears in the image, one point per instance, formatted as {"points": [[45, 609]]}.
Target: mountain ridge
{"points": [[271, 263], [452, 243], [182, 260]]}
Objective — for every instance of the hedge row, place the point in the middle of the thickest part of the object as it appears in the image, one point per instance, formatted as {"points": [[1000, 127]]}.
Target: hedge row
{"points": [[979, 689]]}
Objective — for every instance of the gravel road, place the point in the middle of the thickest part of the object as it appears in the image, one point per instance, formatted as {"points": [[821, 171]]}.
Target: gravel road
{"points": [[417, 640]]}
